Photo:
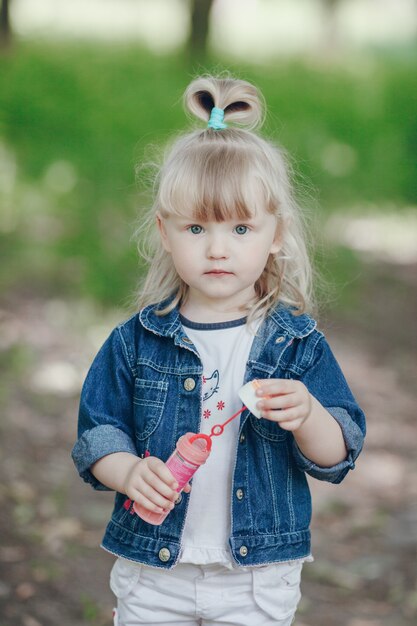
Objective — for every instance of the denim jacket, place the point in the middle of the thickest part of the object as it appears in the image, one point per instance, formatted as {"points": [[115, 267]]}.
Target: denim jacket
{"points": [[144, 390]]}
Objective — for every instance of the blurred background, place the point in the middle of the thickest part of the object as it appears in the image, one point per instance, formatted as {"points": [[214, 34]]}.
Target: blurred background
{"points": [[91, 88]]}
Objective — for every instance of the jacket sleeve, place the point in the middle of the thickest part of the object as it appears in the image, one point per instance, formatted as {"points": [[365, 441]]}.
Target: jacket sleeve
{"points": [[325, 381], [105, 420]]}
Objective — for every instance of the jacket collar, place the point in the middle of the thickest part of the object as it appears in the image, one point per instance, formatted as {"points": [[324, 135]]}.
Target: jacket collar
{"points": [[164, 325], [295, 325], [281, 318]]}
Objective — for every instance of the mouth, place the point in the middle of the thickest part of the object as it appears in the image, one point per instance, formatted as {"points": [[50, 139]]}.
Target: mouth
{"points": [[218, 273]]}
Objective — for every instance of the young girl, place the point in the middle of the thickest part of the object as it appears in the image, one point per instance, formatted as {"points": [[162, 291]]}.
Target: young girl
{"points": [[225, 301]]}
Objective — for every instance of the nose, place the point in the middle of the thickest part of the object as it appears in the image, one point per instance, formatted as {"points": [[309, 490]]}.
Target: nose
{"points": [[217, 247]]}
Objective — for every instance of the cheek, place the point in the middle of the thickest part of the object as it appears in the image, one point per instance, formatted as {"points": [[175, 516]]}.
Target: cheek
{"points": [[257, 256], [183, 258]]}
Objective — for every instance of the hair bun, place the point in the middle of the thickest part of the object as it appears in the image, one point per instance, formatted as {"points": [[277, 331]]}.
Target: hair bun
{"points": [[242, 103]]}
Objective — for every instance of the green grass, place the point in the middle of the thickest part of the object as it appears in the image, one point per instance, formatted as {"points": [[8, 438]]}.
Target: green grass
{"points": [[96, 108]]}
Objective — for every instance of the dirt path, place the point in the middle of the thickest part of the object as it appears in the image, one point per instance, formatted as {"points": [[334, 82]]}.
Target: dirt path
{"points": [[364, 531]]}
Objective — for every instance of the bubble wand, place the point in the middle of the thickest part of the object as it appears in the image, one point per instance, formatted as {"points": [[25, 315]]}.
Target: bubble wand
{"points": [[216, 431], [247, 394]]}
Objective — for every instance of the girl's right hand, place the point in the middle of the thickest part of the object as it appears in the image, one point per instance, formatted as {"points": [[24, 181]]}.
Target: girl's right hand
{"points": [[150, 483]]}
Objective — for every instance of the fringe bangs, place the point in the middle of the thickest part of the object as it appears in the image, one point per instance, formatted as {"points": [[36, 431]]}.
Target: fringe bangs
{"points": [[213, 184]]}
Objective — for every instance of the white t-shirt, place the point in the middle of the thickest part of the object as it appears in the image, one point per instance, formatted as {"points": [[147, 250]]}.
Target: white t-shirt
{"points": [[224, 350]]}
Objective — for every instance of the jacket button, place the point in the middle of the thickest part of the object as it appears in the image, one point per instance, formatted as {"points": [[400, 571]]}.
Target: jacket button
{"points": [[187, 340], [164, 555], [242, 438], [243, 551], [280, 339], [239, 494], [178, 500], [189, 384]]}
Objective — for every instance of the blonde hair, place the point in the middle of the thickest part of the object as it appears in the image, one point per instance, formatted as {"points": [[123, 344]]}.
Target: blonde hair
{"points": [[227, 174]]}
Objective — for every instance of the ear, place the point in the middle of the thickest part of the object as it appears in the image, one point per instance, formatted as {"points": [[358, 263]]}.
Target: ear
{"points": [[281, 228], [162, 232], [276, 243]]}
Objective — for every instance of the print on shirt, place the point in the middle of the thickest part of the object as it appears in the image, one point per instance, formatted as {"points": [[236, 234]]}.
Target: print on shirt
{"points": [[210, 385]]}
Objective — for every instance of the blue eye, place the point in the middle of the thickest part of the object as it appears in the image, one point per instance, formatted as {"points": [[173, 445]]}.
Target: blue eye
{"points": [[241, 229], [195, 229]]}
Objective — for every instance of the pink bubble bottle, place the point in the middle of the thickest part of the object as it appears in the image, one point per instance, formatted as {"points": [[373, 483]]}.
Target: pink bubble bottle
{"points": [[191, 451]]}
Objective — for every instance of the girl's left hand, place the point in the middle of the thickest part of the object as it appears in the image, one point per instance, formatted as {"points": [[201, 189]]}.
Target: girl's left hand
{"points": [[287, 402]]}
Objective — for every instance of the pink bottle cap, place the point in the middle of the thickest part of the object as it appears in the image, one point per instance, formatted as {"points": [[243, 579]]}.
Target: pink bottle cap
{"points": [[195, 447]]}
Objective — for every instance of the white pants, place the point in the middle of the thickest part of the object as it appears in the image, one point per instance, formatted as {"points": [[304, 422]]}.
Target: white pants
{"points": [[203, 595]]}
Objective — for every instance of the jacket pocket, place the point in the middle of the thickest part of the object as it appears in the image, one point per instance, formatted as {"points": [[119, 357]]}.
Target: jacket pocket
{"points": [[149, 402], [124, 576], [267, 429], [276, 590]]}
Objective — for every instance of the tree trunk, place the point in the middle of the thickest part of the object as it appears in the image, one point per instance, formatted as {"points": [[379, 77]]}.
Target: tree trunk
{"points": [[200, 15], [331, 35], [5, 30]]}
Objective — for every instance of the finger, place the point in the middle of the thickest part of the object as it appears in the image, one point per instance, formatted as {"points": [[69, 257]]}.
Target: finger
{"points": [[278, 402], [146, 503], [161, 486], [281, 416], [291, 425], [163, 473], [187, 488], [274, 386], [153, 467], [156, 498]]}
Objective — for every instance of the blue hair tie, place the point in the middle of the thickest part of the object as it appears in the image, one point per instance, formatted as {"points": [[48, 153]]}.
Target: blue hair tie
{"points": [[216, 119]]}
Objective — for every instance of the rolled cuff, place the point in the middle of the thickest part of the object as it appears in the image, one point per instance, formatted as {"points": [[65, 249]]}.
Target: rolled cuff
{"points": [[96, 443], [353, 438]]}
